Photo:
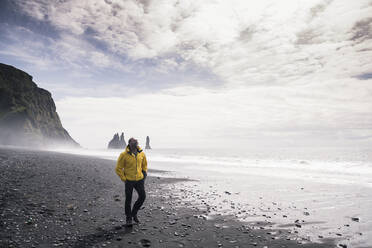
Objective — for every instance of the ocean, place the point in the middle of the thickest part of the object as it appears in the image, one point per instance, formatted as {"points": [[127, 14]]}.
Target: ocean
{"points": [[331, 165]]}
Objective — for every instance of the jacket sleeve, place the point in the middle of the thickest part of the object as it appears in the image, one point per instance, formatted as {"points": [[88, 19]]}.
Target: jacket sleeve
{"points": [[144, 164], [120, 167]]}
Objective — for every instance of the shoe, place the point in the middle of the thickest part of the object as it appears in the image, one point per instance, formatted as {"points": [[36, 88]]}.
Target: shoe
{"points": [[129, 221], [135, 218]]}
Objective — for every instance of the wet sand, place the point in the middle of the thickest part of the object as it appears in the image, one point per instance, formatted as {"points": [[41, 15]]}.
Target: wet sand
{"points": [[310, 211], [51, 199]]}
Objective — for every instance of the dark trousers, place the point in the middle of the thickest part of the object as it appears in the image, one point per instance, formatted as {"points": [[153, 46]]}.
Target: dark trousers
{"points": [[139, 186]]}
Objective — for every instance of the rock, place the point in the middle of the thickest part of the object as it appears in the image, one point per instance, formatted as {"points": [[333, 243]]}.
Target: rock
{"points": [[29, 221], [298, 225], [148, 143], [113, 142], [356, 219], [342, 245], [227, 193], [122, 143], [117, 142], [28, 114], [306, 213], [145, 243], [70, 206]]}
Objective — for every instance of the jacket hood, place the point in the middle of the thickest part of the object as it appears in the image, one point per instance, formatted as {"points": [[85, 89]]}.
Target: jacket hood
{"points": [[128, 150]]}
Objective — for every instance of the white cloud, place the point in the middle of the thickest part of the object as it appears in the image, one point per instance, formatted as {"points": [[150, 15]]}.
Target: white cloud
{"points": [[290, 68], [46, 53], [242, 42]]}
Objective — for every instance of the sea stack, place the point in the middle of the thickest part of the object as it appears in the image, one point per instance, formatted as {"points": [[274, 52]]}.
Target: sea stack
{"points": [[28, 114], [122, 142], [117, 142], [148, 143]]}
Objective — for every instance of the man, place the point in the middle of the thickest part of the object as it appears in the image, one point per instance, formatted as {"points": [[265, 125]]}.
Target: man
{"points": [[131, 167]]}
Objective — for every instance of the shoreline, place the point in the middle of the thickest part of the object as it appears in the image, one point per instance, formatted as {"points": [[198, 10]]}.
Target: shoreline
{"points": [[63, 200]]}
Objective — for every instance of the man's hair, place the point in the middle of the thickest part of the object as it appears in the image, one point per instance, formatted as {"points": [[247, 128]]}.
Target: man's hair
{"points": [[132, 140]]}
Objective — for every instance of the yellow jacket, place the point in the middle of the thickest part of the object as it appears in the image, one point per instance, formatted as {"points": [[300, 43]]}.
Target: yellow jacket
{"points": [[129, 167]]}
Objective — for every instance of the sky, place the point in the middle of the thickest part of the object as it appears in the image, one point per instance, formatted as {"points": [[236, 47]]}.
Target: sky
{"points": [[201, 74]]}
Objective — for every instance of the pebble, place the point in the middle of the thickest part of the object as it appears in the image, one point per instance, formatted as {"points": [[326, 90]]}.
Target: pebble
{"points": [[356, 219], [145, 243]]}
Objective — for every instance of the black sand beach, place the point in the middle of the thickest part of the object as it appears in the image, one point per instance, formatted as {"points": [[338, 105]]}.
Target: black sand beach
{"points": [[59, 200]]}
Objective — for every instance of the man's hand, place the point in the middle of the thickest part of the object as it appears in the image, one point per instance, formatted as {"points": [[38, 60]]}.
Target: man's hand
{"points": [[144, 174]]}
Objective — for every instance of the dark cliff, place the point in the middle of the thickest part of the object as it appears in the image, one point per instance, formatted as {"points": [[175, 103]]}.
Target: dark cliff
{"points": [[27, 113]]}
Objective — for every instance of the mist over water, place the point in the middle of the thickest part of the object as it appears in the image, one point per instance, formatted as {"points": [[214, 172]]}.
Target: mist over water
{"points": [[331, 165]]}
